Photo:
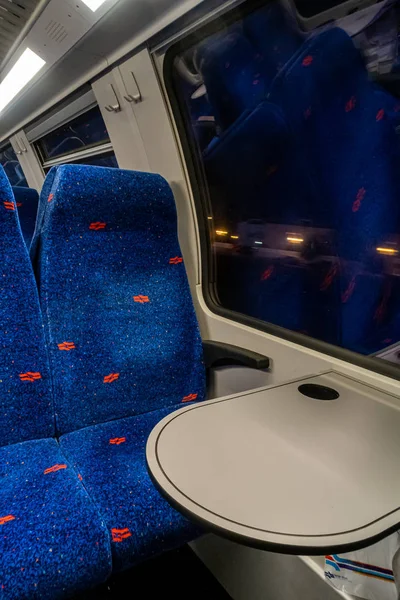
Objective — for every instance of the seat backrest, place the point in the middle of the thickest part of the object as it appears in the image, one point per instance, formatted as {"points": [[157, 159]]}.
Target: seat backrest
{"points": [[27, 204], [275, 36], [25, 390], [45, 196], [233, 74], [350, 146], [252, 171], [122, 334], [345, 128]]}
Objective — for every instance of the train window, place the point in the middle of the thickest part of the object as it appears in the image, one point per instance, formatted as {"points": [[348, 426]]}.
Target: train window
{"points": [[294, 155], [100, 160], [84, 140], [10, 163], [86, 131]]}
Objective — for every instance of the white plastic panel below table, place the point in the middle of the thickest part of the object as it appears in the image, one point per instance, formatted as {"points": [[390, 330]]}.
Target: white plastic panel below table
{"points": [[279, 470]]}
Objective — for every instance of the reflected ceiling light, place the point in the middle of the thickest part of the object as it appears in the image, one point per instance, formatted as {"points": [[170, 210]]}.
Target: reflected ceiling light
{"points": [[221, 232], [258, 243], [93, 4], [209, 218], [25, 69], [295, 239], [234, 237], [383, 250]]}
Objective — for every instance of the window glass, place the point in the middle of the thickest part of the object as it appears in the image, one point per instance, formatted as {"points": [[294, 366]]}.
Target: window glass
{"points": [[101, 160], [296, 152], [9, 161], [86, 131]]}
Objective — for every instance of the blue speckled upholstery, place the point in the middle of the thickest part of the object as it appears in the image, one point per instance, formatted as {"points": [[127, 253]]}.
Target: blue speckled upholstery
{"points": [[52, 541], [25, 387], [45, 194], [122, 334], [123, 340], [111, 460], [27, 204]]}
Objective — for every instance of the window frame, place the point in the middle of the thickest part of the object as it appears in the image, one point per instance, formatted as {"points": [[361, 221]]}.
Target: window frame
{"points": [[70, 157], [4, 147], [202, 203]]}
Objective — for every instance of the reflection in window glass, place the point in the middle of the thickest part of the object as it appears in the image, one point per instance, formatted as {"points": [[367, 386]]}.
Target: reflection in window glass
{"points": [[101, 160], [86, 131], [300, 152], [9, 161]]}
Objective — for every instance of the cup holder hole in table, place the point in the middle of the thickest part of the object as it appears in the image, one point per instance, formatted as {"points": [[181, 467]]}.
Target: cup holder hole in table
{"points": [[318, 392]]}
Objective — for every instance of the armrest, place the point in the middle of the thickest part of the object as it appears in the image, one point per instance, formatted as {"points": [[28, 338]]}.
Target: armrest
{"points": [[218, 354]]}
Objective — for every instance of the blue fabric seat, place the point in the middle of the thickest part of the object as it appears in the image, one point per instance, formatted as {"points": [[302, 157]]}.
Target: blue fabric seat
{"points": [[52, 540], [27, 204], [345, 130], [44, 199], [346, 115], [254, 159], [322, 150], [111, 460], [232, 70], [123, 339], [239, 65], [276, 38]]}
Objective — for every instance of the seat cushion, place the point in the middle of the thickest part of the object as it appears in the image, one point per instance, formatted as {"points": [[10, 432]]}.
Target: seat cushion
{"points": [[111, 459], [52, 540]]}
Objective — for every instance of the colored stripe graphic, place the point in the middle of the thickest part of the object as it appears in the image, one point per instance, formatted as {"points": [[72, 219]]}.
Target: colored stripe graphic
{"points": [[361, 568]]}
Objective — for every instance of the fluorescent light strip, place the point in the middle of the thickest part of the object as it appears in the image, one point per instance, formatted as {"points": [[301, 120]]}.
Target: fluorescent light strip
{"points": [[93, 4], [25, 69]]}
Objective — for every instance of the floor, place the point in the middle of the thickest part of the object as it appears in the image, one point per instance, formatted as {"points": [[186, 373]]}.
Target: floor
{"points": [[178, 574]]}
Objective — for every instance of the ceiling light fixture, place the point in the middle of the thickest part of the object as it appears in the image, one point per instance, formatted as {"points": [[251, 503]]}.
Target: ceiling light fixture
{"points": [[25, 69], [93, 4]]}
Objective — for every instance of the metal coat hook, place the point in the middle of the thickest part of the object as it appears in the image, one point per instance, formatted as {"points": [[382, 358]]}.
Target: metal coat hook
{"points": [[136, 96], [21, 145], [113, 107], [19, 151]]}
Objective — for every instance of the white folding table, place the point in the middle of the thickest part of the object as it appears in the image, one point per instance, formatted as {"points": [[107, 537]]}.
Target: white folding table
{"points": [[277, 469]]}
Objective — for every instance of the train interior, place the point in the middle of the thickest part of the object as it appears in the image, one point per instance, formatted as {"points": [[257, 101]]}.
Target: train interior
{"points": [[197, 200]]}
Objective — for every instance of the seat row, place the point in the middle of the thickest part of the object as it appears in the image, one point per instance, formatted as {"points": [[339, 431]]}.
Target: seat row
{"points": [[96, 346]]}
